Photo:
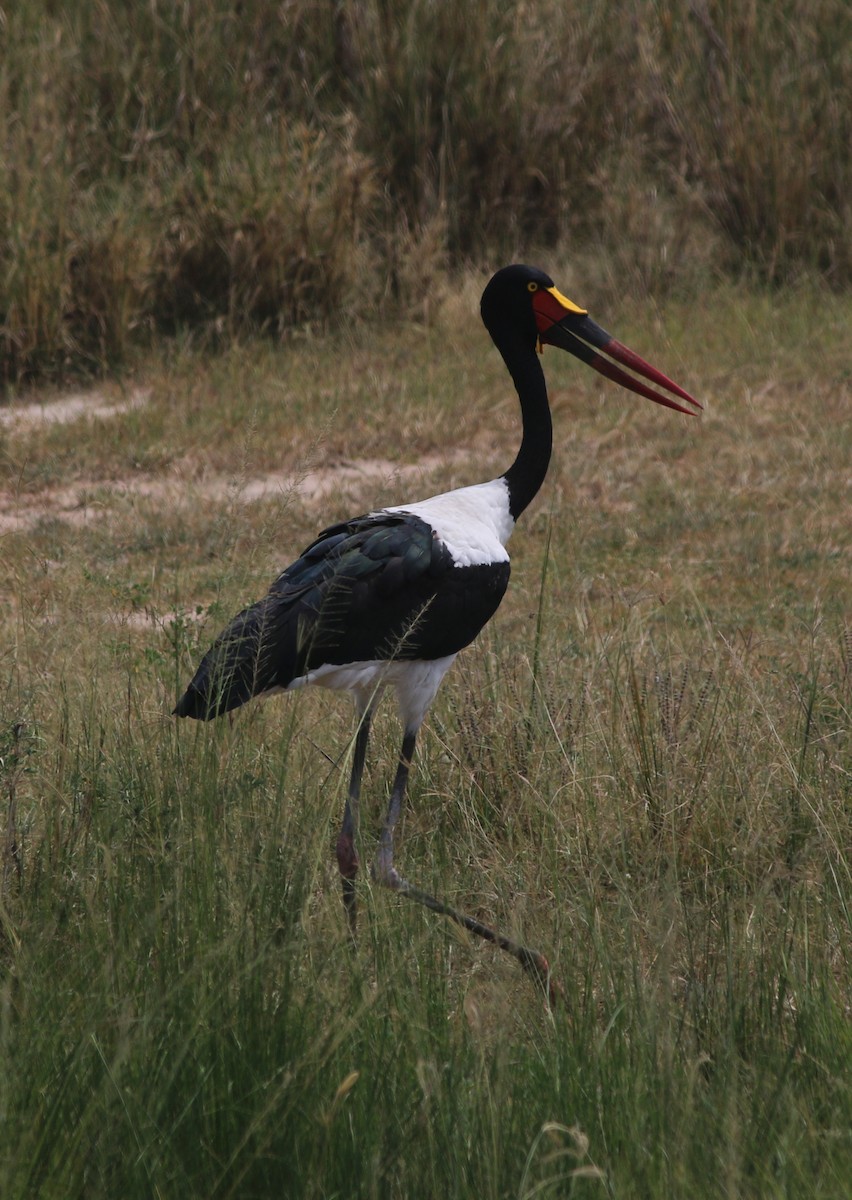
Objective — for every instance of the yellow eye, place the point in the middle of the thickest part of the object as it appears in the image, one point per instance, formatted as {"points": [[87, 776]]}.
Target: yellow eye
{"points": [[532, 286]]}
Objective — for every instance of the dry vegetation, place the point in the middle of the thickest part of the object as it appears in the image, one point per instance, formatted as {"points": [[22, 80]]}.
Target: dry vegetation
{"points": [[643, 766], [225, 169]]}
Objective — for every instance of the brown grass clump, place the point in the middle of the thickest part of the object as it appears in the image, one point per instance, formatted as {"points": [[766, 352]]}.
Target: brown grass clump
{"points": [[200, 168]]}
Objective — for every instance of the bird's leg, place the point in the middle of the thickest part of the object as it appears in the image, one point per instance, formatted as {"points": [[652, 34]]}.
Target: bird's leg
{"points": [[384, 872], [347, 855], [533, 961]]}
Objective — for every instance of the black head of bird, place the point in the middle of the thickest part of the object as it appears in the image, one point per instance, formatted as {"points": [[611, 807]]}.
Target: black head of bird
{"points": [[389, 598], [522, 305]]}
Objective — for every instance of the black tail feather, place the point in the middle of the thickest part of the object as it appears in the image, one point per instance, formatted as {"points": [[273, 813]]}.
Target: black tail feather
{"points": [[256, 653]]}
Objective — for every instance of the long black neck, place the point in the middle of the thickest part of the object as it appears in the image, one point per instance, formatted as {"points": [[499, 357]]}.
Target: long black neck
{"points": [[527, 472]]}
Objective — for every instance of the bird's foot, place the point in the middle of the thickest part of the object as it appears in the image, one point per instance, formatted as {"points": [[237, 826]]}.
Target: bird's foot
{"points": [[385, 873], [538, 969]]}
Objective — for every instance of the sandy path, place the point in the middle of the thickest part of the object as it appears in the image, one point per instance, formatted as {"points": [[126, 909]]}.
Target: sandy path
{"points": [[89, 500]]}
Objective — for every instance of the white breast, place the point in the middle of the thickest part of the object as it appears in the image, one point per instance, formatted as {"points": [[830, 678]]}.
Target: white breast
{"points": [[474, 523]]}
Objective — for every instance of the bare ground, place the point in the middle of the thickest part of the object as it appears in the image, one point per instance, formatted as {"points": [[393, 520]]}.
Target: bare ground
{"points": [[90, 500]]}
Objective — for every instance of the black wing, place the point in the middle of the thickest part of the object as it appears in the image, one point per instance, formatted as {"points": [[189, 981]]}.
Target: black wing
{"points": [[377, 587]]}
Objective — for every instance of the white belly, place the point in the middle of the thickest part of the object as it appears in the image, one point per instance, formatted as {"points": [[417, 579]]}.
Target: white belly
{"points": [[415, 682]]}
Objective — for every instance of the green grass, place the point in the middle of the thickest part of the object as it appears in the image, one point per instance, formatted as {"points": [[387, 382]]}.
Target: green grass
{"points": [[642, 768]]}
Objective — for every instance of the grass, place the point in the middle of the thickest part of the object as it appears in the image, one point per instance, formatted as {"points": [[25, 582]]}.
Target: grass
{"points": [[642, 767], [230, 170]]}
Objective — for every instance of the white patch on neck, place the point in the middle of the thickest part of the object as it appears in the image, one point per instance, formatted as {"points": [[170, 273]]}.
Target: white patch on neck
{"points": [[474, 523]]}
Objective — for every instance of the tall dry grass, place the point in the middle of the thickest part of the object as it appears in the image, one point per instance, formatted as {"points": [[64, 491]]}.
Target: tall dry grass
{"points": [[227, 168]]}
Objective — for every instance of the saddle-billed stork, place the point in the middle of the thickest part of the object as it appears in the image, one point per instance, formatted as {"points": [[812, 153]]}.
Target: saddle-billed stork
{"points": [[390, 598]]}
